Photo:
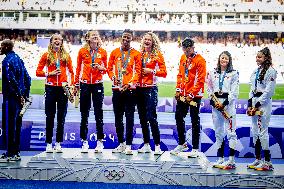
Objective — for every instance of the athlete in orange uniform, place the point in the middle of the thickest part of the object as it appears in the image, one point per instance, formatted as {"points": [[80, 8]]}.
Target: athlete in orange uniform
{"points": [[189, 91], [124, 69], [153, 66], [91, 66], [56, 61]]}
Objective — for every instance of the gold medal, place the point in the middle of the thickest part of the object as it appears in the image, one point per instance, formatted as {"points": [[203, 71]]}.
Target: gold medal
{"points": [[181, 98], [186, 79], [123, 71]]}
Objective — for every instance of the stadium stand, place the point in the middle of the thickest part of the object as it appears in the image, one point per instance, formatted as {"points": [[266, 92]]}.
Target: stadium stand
{"points": [[239, 26], [243, 54]]}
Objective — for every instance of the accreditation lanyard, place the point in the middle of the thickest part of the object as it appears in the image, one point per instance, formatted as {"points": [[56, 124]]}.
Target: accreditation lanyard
{"points": [[221, 80]]}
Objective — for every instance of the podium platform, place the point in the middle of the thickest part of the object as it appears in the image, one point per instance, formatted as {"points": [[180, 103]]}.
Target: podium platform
{"points": [[139, 168]]}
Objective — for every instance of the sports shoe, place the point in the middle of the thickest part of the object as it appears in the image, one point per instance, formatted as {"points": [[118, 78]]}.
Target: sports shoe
{"points": [[254, 164], [48, 148], [227, 165], [100, 146], [145, 149], [16, 157], [193, 153], [57, 147], [218, 163], [158, 150], [4, 158], [179, 148], [85, 147], [128, 150], [264, 166], [119, 149]]}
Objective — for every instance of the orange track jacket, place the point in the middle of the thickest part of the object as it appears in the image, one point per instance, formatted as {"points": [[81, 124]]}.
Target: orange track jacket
{"points": [[129, 74], [55, 80], [85, 73], [157, 64], [191, 84]]}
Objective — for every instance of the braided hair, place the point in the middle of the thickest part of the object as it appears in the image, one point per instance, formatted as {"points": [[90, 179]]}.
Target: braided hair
{"points": [[266, 63], [230, 64]]}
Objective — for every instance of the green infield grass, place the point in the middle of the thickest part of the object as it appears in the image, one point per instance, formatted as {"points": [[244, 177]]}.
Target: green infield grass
{"points": [[166, 89]]}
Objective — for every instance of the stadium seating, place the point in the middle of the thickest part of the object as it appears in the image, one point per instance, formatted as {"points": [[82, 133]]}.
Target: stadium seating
{"points": [[143, 15], [243, 57]]}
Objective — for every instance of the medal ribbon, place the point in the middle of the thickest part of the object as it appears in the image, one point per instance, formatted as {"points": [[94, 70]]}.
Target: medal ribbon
{"points": [[57, 62], [144, 61], [256, 78], [124, 63], [94, 56], [221, 80], [188, 62]]}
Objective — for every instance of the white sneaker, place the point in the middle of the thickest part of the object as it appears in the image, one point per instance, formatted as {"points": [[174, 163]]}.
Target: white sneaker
{"points": [[4, 158], [100, 146], [254, 164], [264, 166], [145, 149], [120, 148], [16, 157], [48, 148], [57, 147], [158, 150], [179, 148], [193, 153], [218, 163], [227, 165], [128, 150], [85, 147]]}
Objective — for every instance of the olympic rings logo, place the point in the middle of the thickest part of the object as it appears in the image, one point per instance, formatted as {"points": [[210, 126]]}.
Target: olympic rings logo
{"points": [[116, 175]]}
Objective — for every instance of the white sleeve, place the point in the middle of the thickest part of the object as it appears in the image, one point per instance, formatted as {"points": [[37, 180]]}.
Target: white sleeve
{"points": [[234, 89], [209, 83], [270, 81]]}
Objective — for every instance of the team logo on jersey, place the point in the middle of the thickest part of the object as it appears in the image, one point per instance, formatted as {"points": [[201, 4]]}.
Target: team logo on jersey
{"points": [[87, 56], [99, 55]]}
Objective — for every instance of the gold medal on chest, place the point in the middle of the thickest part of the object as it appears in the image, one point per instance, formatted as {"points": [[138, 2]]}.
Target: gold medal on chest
{"points": [[186, 79], [123, 71]]}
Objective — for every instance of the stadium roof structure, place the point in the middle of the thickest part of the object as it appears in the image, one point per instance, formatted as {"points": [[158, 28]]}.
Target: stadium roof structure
{"points": [[157, 15]]}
